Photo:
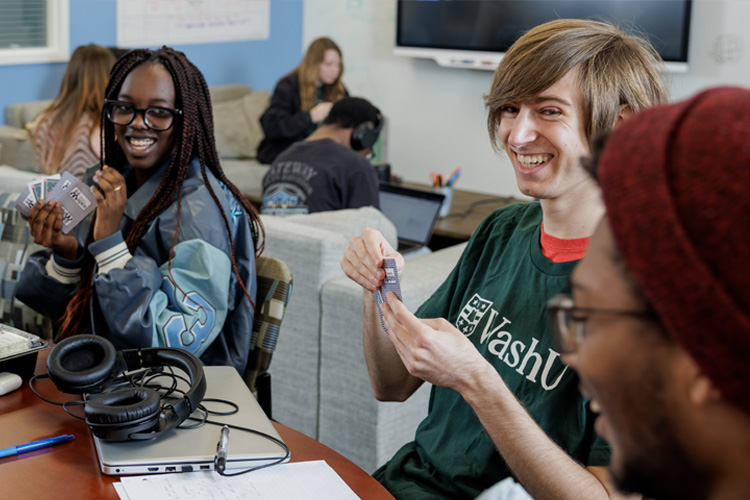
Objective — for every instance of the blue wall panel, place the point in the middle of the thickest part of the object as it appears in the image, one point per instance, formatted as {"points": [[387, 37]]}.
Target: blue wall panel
{"points": [[257, 63]]}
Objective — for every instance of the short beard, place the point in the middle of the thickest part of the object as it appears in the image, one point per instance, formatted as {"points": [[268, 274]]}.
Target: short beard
{"points": [[664, 471]]}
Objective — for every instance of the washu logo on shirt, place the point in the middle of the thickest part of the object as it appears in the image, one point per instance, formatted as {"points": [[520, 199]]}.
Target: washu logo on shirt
{"points": [[514, 353]]}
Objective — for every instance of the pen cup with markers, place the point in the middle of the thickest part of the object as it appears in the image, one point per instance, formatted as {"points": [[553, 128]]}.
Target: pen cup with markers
{"points": [[447, 191]]}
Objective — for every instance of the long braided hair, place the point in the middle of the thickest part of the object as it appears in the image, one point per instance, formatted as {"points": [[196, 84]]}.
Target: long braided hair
{"points": [[194, 138]]}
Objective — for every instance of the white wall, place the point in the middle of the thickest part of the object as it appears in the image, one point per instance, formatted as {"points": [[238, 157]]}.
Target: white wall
{"points": [[436, 116]]}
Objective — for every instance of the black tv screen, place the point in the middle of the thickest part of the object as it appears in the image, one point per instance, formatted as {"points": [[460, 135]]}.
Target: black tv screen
{"points": [[493, 25]]}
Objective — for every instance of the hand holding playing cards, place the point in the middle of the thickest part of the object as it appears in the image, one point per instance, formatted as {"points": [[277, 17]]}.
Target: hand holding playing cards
{"points": [[74, 198], [46, 221], [111, 198], [363, 259]]}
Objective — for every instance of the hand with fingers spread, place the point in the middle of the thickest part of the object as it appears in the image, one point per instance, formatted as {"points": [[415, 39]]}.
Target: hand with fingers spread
{"points": [[363, 259], [111, 197], [432, 349], [45, 221]]}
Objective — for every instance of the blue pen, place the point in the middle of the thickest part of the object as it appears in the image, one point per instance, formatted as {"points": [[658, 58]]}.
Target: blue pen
{"points": [[43, 443]]}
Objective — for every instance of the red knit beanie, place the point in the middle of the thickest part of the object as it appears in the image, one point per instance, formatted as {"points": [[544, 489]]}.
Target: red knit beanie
{"points": [[676, 185]]}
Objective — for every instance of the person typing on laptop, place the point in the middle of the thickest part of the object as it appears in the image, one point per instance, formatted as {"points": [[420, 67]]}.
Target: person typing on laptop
{"points": [[502, 403], [329, 169]]}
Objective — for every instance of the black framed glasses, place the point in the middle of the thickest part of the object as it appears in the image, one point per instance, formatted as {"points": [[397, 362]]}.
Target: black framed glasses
{"points": [[155, 117], [568, 321]]}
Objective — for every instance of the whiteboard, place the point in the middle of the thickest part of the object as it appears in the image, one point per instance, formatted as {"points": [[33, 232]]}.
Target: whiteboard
{"points": [[145, 23]]}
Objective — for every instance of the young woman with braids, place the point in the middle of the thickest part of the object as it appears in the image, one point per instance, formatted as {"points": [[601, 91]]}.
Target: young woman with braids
{"points": [[169, 258], [302, 99]]}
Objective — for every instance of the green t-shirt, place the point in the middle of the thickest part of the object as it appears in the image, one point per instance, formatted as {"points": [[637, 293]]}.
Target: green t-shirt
{"points": [[496, 296]]}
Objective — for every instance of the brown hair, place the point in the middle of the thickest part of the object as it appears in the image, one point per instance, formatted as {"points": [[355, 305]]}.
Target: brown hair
{"points": [[614, 68], [81, 94], [308, 72], [194, 138]]}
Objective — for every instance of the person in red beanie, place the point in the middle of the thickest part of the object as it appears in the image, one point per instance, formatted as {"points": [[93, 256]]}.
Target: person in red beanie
{"points": [[502, 402], [658, 326]]}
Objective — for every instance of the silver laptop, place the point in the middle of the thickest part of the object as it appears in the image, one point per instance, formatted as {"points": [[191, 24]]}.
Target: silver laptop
{"points": [[184, 450], [413, 212]]}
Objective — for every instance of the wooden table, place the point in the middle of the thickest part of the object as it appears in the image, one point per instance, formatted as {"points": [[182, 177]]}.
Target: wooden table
{"points": [[71, 470]]}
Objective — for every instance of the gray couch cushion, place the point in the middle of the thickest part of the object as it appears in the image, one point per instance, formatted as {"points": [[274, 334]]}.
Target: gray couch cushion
{"points": [[311, 245], [349, 222], [16, 148], [22, 113], [228, 92], [247, 175], [237, 124]]}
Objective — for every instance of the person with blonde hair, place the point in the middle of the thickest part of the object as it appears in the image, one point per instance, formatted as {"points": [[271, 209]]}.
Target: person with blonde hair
{"points": [[302, 99], [503, 404], [65, 136]]}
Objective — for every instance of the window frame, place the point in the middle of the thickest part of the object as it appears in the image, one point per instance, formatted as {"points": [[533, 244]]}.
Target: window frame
{"points": [[58, 39]]}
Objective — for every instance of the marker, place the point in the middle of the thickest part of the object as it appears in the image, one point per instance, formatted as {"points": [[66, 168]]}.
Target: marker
{"points": [[221, 450], [36, 445], [454, 176]]}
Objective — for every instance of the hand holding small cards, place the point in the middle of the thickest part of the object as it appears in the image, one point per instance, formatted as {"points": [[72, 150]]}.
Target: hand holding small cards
{"points": [[75, 198], [35, 190], [390, 284]]}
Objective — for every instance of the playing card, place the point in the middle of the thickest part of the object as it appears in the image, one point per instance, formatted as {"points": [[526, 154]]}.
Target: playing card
{"points": [[25, 202], [36, 189], [77, 203], [76, 199], [65, 182], [48, 184], [390, 284]]}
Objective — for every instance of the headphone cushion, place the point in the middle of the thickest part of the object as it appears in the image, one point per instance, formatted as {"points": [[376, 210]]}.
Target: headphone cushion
{"points": [[81, 363], [123, 406], [365, 134]]}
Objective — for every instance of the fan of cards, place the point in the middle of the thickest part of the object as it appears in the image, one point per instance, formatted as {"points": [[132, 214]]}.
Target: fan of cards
{"points": [[74, 196]]}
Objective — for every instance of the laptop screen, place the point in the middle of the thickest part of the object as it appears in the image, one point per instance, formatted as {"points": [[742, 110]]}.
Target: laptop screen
{"points": [[413, 212]]}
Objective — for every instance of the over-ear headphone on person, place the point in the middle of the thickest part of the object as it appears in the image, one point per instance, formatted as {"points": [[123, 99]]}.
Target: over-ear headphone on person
{"points": [[89, 364], [365, 134]]}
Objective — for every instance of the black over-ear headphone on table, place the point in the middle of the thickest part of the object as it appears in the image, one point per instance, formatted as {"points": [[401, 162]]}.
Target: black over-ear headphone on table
{"points": [[89, 364], [366, 133]]}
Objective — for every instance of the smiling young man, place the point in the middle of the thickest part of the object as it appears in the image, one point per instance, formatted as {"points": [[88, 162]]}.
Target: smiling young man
{"points": [[503, 404], [659, 328]]}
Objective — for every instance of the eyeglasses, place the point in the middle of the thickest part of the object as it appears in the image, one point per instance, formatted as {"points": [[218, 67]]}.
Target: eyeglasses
{"points": [[568, 320], [155, 117]]}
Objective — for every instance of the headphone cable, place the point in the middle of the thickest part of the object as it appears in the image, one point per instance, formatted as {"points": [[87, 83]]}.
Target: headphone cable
{"points": [[146, 380], [278, 442]]}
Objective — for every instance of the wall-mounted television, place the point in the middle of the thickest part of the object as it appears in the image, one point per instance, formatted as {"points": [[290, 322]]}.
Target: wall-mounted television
{"points": [[476, 33]]}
